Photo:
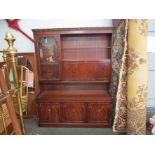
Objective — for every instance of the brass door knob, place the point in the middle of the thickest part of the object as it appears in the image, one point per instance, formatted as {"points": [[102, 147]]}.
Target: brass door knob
{"points": [[99, 110], [49, 110], [73, 110]]}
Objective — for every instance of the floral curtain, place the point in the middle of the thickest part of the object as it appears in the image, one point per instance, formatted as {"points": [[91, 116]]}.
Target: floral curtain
{"points": [[130, 88], [137, 76], [119, 89]]}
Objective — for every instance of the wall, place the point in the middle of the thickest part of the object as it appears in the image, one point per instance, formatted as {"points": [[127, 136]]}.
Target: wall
{"points": [[24, 45], [151, 63]]}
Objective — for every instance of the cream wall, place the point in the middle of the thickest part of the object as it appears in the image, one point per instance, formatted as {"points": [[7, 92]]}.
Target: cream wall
{"points": [[151, 64]]}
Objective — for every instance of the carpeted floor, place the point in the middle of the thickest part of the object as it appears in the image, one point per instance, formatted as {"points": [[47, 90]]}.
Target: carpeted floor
{"points": [[33, 129]]}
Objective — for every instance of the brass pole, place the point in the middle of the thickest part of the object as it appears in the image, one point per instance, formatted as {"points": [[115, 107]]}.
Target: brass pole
{"points": [[11, 57], [5, 69]]}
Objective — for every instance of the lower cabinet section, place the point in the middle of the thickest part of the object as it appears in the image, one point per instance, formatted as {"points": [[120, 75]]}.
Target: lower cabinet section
{"points": [[75, 114]]}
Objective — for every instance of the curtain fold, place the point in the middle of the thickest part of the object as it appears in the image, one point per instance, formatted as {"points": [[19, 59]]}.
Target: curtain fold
{"points": [[120, 78], [130, 78]]}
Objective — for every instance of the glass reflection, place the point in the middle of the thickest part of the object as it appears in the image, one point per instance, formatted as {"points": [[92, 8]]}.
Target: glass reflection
{"points": [[48, 49]]}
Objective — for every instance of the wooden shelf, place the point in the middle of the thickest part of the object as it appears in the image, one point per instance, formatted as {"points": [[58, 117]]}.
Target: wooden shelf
{"points": [[85, 48], [80, 95], [87, 60], [48, 63], [82, 60], [44, 81]]}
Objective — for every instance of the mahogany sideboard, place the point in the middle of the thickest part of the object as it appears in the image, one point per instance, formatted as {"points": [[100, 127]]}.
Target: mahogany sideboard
{"points": [[74, 66]]}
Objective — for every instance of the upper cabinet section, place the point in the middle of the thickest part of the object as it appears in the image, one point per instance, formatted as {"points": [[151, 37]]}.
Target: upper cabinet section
{"points": [[74, 54]]}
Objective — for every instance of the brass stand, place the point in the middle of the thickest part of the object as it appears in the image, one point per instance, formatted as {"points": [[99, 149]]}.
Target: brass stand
{"points": [[5, 69], [11, 58]]}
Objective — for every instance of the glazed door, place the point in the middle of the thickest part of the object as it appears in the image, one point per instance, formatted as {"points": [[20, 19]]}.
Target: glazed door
{"points": [[49, 55]]}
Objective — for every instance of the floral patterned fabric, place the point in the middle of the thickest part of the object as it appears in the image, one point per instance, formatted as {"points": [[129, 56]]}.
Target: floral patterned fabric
{"points": [[117, 53], [130, 93], [120, 95], [137, 76]]}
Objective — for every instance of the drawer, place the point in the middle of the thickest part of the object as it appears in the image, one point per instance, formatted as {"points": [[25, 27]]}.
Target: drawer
{"points": [[73, 112], [99, 112], [49, 113]]}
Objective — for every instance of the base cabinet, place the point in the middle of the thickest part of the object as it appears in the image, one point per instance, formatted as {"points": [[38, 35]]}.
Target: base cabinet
{"points": [[49, 113], [99, 112], [75, 114]]}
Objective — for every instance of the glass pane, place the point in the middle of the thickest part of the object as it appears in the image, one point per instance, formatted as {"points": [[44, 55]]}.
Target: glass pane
{"points": [[48, 49]]}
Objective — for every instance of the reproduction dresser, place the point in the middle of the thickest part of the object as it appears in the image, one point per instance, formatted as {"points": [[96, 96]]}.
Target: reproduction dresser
{"points": [[74, 69]]}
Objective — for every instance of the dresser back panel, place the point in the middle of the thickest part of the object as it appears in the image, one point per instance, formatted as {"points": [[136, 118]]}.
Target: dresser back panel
{"points": [[86, 46], [86, 71]]}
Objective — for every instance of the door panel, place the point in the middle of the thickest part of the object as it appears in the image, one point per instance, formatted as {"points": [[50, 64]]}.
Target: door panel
{"points": [[73, 112]]}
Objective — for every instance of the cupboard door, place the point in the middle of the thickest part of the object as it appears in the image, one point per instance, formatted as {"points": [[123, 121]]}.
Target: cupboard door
{"points": [[49, 55], [73, 112], [99, 112], [49, 113]]}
